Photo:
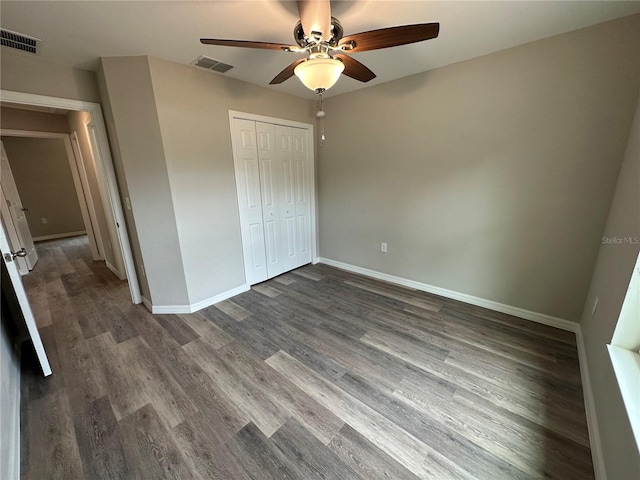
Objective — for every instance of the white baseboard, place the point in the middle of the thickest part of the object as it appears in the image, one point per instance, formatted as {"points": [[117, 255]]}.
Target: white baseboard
{"points": [[597, 455], [59, 235], [560, 323], [194, 307]]}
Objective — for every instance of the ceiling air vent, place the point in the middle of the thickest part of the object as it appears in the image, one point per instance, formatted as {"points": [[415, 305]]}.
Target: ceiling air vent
{"points": [[211, 64], [18, 41]]}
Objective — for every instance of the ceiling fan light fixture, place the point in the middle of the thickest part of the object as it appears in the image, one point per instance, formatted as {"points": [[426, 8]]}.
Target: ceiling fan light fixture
{"points": [[319, 74]]}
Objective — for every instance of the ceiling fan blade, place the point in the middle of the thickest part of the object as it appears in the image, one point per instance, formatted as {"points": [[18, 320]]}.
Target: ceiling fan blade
{"points": [[286, 73], [390, 37], [354, 69], [246, 44], [315, 16]]}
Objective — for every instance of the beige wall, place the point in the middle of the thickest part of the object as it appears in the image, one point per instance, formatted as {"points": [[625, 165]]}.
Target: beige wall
{"points": [[76, 123], [27, 73], [169, 129], [609, 283], [193, 111], [42, 173], [122, 182], [16, 119], [136, 142], [491, 177]]}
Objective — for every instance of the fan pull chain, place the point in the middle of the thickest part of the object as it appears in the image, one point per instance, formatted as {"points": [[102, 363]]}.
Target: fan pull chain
{"points": [[320, 114]]}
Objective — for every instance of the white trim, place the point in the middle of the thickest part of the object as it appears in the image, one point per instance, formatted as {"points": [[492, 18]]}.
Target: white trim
{"points": [[59, 235], [194, 307], [556, 322], [597, 455], [276, 121], [104, 171], [626, 365]]}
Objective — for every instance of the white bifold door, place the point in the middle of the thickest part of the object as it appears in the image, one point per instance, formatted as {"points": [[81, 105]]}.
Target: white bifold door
{"points": [[274, 180]]}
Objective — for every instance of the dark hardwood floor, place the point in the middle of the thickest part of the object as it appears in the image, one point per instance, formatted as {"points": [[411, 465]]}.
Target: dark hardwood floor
{"points": [[318, 373]]}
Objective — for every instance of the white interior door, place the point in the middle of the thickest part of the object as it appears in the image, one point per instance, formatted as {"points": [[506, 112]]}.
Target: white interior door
{"points": [[12, 234], [23, 302], [17, 211], [245, 154]]}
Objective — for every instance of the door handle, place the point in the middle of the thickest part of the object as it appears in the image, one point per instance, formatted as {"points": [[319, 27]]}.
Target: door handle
{"points": [[11, 256]]}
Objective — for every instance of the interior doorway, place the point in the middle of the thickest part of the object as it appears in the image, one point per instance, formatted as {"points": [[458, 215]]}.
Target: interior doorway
{"points": [[51, 181], [116, 232]]}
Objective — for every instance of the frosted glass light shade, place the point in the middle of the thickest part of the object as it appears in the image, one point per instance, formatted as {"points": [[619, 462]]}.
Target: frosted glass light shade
{"points": [[319, 74]]}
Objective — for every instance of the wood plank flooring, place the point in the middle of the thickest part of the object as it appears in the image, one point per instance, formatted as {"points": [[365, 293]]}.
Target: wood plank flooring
{"points": [[318, 373]]}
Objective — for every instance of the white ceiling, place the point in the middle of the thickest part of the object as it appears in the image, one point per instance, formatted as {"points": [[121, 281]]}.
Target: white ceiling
{"points": [[77, 33]]}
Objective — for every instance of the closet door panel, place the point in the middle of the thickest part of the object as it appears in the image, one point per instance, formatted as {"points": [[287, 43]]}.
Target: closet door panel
{"points": [[303, 191], [249, 199], [271, 185], [285, 141]]}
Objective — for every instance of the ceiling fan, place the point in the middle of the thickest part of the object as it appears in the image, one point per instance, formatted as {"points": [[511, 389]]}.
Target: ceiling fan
{"points": [[320, 37]]}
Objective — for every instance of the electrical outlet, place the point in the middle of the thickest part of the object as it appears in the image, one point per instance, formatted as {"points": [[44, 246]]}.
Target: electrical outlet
{"points": [[43, 220], [595, 306], [383, 247]]}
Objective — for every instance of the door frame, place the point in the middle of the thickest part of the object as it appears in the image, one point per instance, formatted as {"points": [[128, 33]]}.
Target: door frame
{"points": [[105, 173], [236, 115], [80, 184], [84, 180]]}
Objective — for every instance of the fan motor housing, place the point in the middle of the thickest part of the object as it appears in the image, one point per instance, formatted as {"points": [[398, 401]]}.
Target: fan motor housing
{"points": [[336, 34]]}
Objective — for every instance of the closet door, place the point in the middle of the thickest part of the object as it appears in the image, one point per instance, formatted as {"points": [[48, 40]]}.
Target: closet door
{"points": [[274, 181], [272, 205], [285, 147], [245, 157], [303, 192]]}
